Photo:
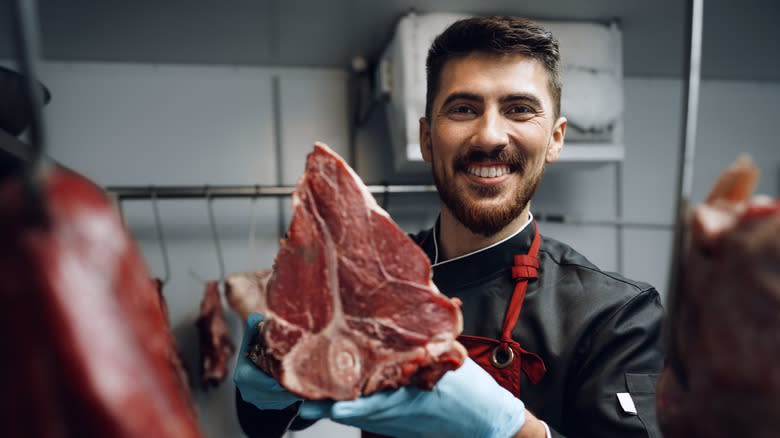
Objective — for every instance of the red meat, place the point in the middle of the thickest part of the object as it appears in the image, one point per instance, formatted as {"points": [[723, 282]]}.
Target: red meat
{"points": [[728, 318], [86, 347], [244, 289], [216, 343], [350, 306]]}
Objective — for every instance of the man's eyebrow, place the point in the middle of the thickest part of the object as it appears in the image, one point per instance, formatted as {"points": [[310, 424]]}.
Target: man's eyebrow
{"points": [[527, 98], [462, 96]]}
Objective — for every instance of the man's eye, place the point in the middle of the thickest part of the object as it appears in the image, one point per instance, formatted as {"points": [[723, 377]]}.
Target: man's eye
{"points": [[520, 112], [461, 109], [520, 109]]}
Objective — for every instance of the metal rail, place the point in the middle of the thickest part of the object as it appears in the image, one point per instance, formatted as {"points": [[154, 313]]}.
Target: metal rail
{"points": [[123, 193], [257, 191]]}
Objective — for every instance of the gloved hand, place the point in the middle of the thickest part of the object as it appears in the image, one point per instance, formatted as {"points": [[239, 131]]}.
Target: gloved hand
{"points": [[257, 387], [465, 403]]}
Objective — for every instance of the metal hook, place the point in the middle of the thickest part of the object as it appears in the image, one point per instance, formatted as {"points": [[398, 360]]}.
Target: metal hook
{"points": [[160, 236], [26, 31], [386, 197], [120, 208], [252, 229], [214, 235]]}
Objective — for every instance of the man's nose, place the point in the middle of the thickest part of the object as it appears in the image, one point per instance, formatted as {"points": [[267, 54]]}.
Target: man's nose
{"points": [[491, 131]]}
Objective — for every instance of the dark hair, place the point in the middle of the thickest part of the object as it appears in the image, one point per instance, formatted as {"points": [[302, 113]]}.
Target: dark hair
{"points": [[498, 35]]}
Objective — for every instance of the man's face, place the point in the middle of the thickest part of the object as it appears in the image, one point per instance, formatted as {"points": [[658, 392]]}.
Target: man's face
{"points": [[492, 129]]}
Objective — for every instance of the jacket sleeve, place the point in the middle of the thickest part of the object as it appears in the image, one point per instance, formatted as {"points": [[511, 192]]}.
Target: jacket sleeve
{"points": [[624, 355], [267, 423]]}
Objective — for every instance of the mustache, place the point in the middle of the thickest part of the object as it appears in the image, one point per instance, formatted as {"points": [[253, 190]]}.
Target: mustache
{"points": [[514, 159]]}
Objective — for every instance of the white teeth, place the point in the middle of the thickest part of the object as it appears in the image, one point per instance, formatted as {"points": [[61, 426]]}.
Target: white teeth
{"points": [[488, 171]]}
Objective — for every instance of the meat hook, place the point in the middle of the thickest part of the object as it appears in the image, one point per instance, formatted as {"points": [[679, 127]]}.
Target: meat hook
{"points": [[386, 197], [27, 47], [160, 236], [214, 234], [252, 228]]}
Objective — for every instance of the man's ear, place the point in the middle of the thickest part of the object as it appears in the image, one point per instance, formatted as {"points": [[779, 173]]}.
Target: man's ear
{"points": [[425, 140], [556, 140]]}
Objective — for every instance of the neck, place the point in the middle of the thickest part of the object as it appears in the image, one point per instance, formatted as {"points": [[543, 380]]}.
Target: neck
{"points": [[456, 240]]}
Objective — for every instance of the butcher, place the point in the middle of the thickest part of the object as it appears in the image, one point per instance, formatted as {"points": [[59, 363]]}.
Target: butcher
{"points": [[557, 347]]}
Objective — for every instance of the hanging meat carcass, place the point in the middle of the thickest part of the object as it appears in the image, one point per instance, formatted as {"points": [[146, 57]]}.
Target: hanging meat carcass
{"points": [[87, 350], [216, 344], [176, 359], [726, 330]]}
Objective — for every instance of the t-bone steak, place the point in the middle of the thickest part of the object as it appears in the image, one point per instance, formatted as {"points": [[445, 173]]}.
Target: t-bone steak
{"points": [[350, 307]]}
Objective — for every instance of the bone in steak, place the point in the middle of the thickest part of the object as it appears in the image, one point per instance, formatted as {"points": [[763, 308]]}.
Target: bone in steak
{"points": [[216, 344], [350, 306], [86, 346], [728, 318]]}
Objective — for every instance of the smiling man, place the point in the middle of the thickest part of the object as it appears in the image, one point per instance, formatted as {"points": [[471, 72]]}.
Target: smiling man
{"points": [[557, 347], [489, 130]]}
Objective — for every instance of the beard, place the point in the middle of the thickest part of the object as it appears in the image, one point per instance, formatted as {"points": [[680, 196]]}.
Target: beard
{"points": [[479, 219]]}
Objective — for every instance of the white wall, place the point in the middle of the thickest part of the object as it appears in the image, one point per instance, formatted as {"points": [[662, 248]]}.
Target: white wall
{"points": [[125, 124], [734, 117]]}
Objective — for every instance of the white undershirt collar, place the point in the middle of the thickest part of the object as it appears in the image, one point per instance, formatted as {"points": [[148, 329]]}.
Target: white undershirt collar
{"points": [[436, 244]]}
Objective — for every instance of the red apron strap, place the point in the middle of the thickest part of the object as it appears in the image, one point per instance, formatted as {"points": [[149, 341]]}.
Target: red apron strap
{"points": [[532, 365], [524, 269]]}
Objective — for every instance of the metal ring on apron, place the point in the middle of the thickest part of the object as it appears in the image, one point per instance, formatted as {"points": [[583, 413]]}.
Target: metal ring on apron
{"points": [[502, 364]]}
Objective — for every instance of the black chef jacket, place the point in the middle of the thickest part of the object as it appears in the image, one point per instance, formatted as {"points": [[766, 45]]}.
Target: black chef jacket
{"points": [[598, 333]]}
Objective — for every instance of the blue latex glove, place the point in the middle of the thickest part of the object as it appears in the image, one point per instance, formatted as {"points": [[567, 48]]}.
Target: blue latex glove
{"points": [[257, 387], [465, 403]]}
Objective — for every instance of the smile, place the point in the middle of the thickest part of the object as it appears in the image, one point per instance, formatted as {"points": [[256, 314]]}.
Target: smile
{"points": [[488, 171]]}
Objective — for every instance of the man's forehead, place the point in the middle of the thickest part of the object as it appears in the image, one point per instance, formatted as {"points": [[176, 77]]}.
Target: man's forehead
{"points": [[505, 73]]}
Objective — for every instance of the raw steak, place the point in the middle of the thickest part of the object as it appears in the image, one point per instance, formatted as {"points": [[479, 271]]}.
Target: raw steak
{"points": [[350, 307], [86, 346], [216, 343], [728, 320], [244, 289]]}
